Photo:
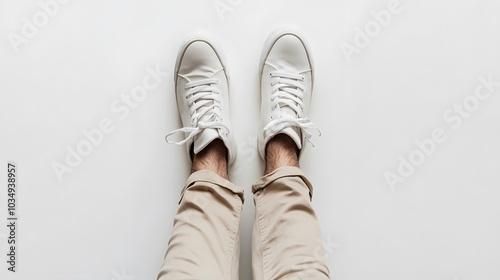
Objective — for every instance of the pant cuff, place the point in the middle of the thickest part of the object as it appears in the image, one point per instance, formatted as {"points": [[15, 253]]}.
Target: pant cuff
{"points": [[210, 177], [282, 172]]}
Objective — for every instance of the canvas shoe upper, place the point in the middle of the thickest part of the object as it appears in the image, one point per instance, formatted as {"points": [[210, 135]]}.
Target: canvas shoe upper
{"points": [[286, 90], [202, 93]]}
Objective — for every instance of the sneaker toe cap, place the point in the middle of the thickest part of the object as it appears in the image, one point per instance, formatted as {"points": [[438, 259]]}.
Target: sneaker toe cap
{"points": [[199, 60], [288, 52]]}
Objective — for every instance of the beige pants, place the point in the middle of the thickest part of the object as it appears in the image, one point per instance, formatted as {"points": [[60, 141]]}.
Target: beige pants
{"points": [[286, 241]]}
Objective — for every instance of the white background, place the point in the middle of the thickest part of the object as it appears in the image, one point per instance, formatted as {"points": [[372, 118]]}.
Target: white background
{"points": [[111, 217]]}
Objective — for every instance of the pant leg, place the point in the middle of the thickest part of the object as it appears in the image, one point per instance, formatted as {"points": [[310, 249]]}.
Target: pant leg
{"points": [[205, 238], [286, 241]]}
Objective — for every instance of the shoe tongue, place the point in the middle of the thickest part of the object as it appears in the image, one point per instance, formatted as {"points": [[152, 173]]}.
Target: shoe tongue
{"points": [[287, 112], [207, 135], [204, 138]]}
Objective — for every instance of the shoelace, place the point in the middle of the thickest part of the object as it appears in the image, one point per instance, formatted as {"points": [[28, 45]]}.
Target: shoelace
{"points": [[288, 90], [199, 95]]}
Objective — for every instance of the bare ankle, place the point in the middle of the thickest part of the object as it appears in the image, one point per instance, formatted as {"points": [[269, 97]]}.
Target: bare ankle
{"points": [[281, 151], [213, 158]]}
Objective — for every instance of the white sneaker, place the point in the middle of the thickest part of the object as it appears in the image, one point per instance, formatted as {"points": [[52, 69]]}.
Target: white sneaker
{"points": [[202, 92], [286, 89]]}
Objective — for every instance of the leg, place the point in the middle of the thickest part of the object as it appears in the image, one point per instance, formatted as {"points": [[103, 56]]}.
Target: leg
{"points": [[205, 240], [286, 235]]}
